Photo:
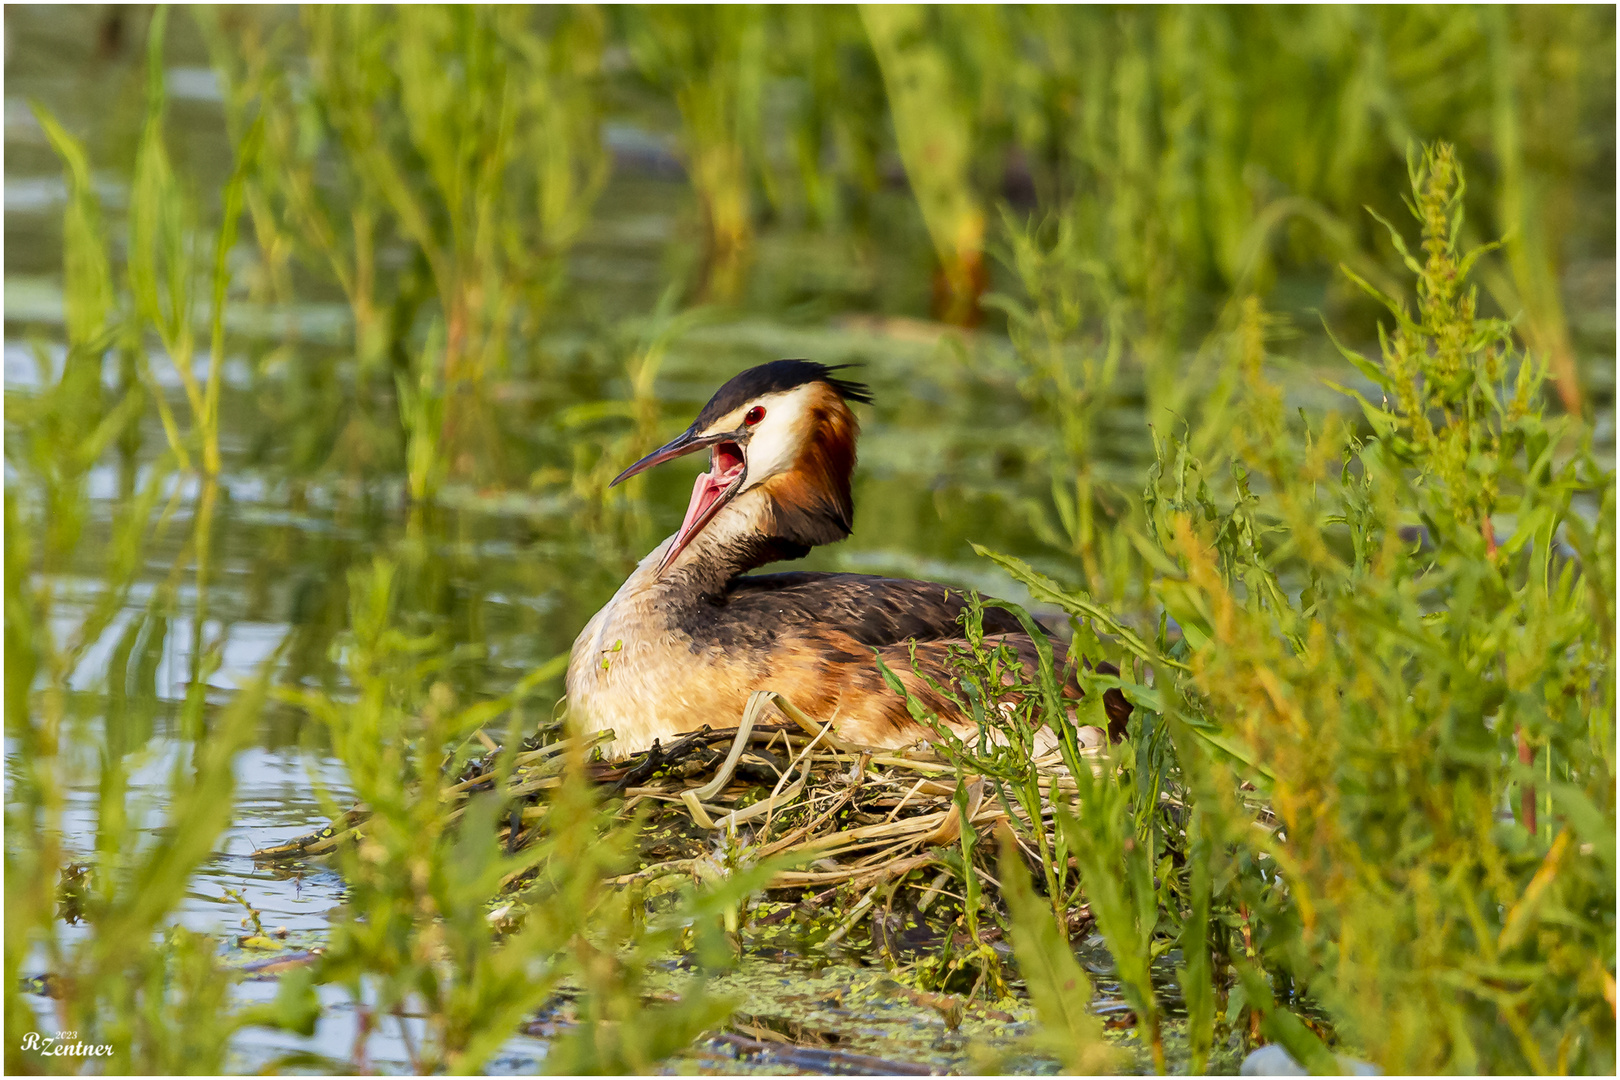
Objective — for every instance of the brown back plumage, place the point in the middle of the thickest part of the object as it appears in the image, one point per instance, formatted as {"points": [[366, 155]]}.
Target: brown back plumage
{"points": [[821, 631]]}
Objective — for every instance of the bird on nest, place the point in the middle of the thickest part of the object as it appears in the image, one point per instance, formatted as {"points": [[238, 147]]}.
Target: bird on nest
{"points": [[692, 633]]}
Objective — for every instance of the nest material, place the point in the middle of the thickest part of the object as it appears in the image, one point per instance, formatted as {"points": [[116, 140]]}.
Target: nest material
{"points": [[841, 814]]}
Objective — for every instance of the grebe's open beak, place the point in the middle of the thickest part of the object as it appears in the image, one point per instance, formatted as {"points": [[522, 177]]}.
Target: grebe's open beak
{"points": [[727, 470]]}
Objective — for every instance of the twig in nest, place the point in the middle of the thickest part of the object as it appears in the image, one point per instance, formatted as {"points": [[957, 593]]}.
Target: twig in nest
{"points": [[852, 918], [933, 890], [906, 798], [638, 770]]}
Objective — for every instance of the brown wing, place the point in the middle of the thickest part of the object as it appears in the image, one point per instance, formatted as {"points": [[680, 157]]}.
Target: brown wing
{"points": [[832, 676], [874, 611], [817, 633]]}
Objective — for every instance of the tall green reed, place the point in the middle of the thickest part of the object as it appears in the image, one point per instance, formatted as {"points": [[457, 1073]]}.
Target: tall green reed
{"points": [[1545, 96], [1068, 342], [1116, 833], [421, 932], [935, 124], [1058, 986], [1175, 193], [836, 122], [1200, 151]]}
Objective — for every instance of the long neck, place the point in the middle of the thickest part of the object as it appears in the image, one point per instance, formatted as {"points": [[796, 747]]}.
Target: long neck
{"points": [[742, 537]]}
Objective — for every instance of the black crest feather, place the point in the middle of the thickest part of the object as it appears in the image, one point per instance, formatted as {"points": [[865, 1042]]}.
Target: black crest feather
{"points": [[774, 377]]}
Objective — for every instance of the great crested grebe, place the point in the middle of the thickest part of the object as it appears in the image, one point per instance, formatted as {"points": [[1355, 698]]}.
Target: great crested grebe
{"points": [[688, 638]]}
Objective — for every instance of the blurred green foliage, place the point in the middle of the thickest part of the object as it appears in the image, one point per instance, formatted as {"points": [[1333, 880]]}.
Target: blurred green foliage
{"points": [[1195, 149], [711, 59], [438, 165], [467, 136], [420, 935]]}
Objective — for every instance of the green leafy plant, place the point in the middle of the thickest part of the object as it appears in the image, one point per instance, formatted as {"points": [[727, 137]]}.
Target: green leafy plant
{"points": [[151, 992], [1113, 830], [155, 993], [1068, 343], [422, 933], [1057, 984], [1366, 655]]}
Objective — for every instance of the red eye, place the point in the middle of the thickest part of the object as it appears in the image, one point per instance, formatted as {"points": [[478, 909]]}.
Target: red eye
{"points": [[755, 415]]}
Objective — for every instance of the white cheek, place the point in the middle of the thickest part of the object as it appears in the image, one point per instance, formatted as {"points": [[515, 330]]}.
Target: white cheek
{"points": [[776, 443], [770, 452]]}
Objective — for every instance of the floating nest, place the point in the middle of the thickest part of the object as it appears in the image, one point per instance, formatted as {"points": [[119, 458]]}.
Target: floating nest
{"points": [[849, 820]]}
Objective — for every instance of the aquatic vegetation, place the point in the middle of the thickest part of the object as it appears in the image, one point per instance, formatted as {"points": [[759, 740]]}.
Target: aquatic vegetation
{"points": [[1421, 706], [125, 983], [1057, 985], [1368, 799], [150, 992], [419, 935], [836, 122], [484, 172], [1069, 343], [1200, 150], [934, 132]]}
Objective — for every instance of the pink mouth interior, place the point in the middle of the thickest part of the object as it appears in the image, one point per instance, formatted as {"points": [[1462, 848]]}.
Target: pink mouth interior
{"points": [[725, 465]]}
